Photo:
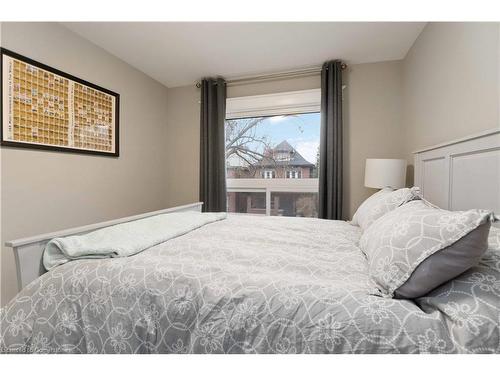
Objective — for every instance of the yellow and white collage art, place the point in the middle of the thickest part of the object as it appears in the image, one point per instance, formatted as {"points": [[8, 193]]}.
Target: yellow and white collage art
{"points": [[44, 108]]}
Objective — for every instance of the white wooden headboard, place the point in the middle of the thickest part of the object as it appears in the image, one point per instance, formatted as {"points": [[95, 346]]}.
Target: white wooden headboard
{"points": [[462, 174]]}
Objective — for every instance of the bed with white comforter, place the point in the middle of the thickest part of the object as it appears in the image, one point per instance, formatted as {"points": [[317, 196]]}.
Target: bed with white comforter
{"points": [[250, 285]]}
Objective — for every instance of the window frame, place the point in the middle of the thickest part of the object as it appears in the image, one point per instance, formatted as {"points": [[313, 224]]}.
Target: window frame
{"points": [[270, 172], [284, 103]]}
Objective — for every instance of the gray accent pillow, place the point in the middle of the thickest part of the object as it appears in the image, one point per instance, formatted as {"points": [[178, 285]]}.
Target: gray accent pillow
{"points": [[417, 247], [446, 264], [381, 203]]}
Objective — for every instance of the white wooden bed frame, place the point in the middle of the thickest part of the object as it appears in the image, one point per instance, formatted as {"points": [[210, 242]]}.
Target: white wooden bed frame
{"points": [[462, 174], [28, 251]]}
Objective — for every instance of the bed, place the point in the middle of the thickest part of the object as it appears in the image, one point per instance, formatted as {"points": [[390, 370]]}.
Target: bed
{"points": [[248, 284]]}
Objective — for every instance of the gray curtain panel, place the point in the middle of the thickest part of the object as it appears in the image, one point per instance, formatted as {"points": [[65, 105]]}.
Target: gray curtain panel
{"points": [[212, 145], [330, 161]]}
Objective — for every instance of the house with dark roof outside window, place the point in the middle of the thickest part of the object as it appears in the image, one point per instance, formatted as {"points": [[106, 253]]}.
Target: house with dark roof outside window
{"points": [[283, 162]]}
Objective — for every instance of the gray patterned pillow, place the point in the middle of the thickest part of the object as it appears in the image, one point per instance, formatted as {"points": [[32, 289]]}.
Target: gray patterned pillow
{"points": [[417, 247], [381, 203]]}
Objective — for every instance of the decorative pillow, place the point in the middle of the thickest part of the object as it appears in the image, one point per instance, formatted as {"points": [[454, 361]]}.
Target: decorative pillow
{"points": [[417, 247], [381, 203]]}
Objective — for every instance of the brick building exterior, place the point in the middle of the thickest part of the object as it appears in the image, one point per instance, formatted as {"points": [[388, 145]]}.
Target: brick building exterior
{"points": [[283, 162]]}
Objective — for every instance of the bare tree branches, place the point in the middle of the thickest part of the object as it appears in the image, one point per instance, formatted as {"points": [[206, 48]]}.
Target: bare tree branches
{"points": [[247, 149], [243, 141]]}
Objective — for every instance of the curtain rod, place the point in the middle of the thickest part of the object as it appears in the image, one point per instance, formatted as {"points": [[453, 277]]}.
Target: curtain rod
{"points": [[245, 80]]}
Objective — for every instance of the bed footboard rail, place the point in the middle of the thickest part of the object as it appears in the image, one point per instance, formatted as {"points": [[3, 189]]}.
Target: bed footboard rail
{"points": [[28, 251]]}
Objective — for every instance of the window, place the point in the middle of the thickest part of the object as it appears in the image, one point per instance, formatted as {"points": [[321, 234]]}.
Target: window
{"points": [[277, 147], [272, 154], [247, 202], [269, 174], [294, 204], [282, 156]]}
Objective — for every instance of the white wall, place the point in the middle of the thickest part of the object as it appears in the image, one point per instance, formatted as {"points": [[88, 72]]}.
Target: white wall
{"points": [[373, 124], [451, 83], [46, 191]]}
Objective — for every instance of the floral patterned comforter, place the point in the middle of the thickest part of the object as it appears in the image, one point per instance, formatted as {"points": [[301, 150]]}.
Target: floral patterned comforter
{"points": [[250, 285]]}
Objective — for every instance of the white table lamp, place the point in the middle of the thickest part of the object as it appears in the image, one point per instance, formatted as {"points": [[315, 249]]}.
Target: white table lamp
{"points": [[381, 173]]}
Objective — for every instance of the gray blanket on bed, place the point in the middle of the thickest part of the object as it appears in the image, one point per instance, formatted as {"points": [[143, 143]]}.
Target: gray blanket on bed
{"points": [[250, 285]]}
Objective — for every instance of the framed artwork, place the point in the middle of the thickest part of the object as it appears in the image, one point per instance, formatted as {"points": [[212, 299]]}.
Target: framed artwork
{"points": [[47, 109]]}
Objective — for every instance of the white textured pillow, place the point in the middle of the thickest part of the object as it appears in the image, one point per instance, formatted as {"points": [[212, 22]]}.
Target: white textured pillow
{"points": [[381, 203], [417, 247]]}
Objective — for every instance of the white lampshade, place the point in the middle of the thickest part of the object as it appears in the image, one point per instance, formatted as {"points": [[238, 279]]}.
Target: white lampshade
{"points": [[381, 173]]}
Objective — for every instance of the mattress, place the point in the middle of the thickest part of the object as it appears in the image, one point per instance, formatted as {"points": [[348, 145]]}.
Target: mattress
{"points": [[250, 285]]}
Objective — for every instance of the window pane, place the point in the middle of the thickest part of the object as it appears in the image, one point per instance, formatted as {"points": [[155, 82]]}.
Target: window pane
{"points": [[269, 154], [246, 202], [294, 204], [273, 147]]}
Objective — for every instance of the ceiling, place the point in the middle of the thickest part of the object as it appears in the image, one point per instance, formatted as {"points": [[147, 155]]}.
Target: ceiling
{"points": [[178, 54]]}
